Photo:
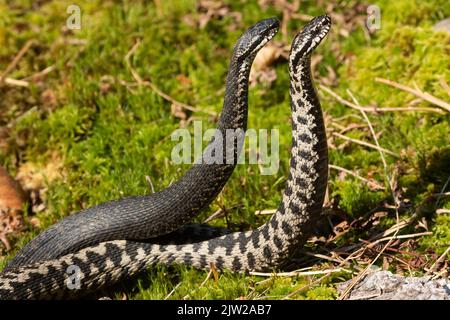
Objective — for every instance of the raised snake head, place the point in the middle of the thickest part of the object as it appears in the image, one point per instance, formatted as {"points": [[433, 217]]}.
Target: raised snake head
{"points": [[255, 37], [309, 38]]}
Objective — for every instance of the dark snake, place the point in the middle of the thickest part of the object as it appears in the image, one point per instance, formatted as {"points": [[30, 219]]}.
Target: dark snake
{"points": [[144, 217], [262, 249]]}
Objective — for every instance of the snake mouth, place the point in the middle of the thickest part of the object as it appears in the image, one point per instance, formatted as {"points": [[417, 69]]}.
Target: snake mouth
{"points": [[310, 37]]}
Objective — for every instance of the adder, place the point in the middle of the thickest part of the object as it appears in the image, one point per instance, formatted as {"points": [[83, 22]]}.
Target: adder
{"points": [[264, 248], [144, 217]]}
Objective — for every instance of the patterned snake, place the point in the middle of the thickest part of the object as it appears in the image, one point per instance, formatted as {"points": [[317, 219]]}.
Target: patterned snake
{"points": [[264, 248], [145, 217]]}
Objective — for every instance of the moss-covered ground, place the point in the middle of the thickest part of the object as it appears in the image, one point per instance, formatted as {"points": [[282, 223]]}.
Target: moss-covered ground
{"points": [[94, 134]]}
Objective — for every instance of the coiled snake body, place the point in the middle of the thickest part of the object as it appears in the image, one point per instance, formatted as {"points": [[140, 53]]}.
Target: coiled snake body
{"points": [[145, 217], [264, 248]]}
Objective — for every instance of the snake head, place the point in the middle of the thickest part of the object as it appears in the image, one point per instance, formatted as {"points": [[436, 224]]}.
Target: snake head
{"points": [[309, 38], [255, 38]]}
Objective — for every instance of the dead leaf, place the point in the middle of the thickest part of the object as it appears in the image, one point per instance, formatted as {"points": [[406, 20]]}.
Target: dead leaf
{"points": [[35, 222], [177, 111], [262, 70], [106, 84], [4, 135], [12, 196], [341, 228], [35, 177], [181, 78], [266, 57], [48, 98], [214, 272], [212, 9], [386, 263], [12, 200]]}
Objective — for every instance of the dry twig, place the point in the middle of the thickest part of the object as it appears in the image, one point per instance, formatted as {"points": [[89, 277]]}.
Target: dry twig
{"points": [[439, 261], [16, 60], [363, 273], [265, 212], [369, 182], [172, 291], [152, 86], [16, 83], [374, 109], [367, 144], [395, 237], [221, 212], [298, 273], [417, 92]]}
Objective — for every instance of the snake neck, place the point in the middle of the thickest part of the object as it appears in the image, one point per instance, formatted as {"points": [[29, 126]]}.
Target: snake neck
{"points": [[305, 189], [226, 145], [235, 105], [306, 186]]}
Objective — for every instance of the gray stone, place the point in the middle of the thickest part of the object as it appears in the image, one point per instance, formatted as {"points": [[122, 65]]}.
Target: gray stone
{"points": [[383, 285], [443, 25]]}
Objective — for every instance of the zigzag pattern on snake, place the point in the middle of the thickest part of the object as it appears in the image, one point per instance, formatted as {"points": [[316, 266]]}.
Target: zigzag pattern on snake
{"points": [[144, 217], [264, 248]]}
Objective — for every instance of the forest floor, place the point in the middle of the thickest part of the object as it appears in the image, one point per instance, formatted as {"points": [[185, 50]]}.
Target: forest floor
{"points": [[78, 129]]}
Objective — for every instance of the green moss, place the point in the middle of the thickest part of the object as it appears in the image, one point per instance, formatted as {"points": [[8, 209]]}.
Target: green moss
{"points": [[356, 198], [110, 134], [441, 233]]}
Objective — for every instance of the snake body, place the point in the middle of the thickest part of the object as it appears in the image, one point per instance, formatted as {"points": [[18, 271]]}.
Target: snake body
{"points": [[264, 248], [144, 217]]}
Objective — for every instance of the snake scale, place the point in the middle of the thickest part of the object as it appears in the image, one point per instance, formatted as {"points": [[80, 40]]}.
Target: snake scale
{"points": [[144, 217], [264, 248]]}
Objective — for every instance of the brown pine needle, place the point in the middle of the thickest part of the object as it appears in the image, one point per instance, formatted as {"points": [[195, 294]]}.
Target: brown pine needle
{"points": [[172, 291], [301, 16], [265, 212], [208, 276], [418, 93], [152, 86], [444, 85], [377, 110], [309, 285], [443, 194], [403, 236], [150, 183], [298, 273], [15, 82], [323, 257], [438, 261], [221, 212], [440, 274], [216, 215], [367, 144], [369, 182], [390, 240], [214, 272], [395, 228], [25, 81], [40, 73], [16, 60]]}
